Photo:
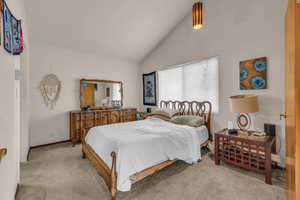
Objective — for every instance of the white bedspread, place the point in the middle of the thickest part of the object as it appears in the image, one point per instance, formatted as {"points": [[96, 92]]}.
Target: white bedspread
{"points": [[142, 144]]}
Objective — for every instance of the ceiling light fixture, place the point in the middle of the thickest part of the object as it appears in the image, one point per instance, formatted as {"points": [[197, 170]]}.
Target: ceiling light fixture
{"points": [[197, 15]]}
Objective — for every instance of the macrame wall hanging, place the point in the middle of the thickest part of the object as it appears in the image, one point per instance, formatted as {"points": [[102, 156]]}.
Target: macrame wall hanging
{"points": [[50, 88]]}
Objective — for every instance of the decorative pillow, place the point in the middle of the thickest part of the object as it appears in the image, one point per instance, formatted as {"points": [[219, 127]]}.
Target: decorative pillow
{"points": [[190, 120], [163, 117], [165, 111], [160, 112]]}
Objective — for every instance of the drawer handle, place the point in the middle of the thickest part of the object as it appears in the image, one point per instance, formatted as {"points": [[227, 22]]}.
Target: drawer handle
{"points": [[283, 116]]}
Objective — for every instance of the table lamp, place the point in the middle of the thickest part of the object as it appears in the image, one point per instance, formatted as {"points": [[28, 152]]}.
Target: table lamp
{"points": [[244, 104]]}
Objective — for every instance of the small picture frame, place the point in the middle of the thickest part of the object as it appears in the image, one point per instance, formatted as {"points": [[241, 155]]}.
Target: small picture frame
{"points": [[148, 110], [149, 89]]}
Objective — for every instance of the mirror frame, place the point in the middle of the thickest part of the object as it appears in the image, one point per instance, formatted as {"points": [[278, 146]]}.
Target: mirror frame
{"points": [[100, 81]]}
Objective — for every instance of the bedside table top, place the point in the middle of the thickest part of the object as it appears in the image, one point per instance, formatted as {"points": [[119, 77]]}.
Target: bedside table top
{"points": [[247, 135]]}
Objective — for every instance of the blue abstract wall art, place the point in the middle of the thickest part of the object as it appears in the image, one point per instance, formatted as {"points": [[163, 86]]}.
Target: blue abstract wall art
{"points": [[253, 74]]}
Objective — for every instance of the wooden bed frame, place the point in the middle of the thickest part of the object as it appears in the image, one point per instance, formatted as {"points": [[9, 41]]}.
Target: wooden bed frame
{"points": [[109, 175]]}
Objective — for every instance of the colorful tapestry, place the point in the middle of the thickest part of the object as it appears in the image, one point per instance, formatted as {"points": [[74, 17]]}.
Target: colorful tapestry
{"points": [[7, 28], [17, 38], [12, 31], [15, 35], [253, 74], [21, 44], [1, 18], [1, 27]]}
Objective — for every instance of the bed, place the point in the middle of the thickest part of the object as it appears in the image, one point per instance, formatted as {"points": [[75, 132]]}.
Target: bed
{"points": [[128, 152]]}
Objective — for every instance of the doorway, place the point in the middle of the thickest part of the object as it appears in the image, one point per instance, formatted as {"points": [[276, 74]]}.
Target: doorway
{"points": [[292, 98]]}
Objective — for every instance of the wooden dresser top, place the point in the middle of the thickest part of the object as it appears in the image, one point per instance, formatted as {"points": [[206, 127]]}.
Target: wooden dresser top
{"points": [[103, 110]]}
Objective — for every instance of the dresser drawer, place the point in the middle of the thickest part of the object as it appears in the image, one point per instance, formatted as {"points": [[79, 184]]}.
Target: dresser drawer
{"points": [[129, 115], [88, 116], [115, 117], [105, 118], [80, 120]]}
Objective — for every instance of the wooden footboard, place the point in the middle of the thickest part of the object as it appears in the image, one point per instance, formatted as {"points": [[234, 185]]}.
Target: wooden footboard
{"points": [[110, 174]]}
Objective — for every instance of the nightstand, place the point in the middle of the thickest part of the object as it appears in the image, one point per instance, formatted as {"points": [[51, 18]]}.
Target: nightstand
{"points": [[141, 115], [245, 151]]}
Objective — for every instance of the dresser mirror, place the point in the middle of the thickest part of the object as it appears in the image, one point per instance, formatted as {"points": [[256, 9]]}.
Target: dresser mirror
{"points": [[100, 94]]}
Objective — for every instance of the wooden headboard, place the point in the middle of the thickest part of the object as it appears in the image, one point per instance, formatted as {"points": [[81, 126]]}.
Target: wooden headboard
{"points": [[202, 109]]}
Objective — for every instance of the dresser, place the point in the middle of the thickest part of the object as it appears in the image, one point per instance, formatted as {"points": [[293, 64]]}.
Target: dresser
{"points": [[80, 120]]}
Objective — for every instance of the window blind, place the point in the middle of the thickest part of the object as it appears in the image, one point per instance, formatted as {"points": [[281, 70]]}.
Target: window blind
{"points": [[198, 81]]}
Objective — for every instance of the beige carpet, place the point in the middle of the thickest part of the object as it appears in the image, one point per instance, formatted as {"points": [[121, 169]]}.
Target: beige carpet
{"points": [[58, 173]]}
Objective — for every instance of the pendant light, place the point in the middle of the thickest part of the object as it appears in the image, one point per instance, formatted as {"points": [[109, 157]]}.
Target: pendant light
{"points": [[197, 15]]}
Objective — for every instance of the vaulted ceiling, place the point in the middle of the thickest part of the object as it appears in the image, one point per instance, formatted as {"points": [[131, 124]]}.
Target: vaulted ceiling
{"points": [[126, 29]]}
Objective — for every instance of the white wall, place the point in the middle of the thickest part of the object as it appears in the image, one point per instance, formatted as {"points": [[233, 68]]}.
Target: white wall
{"points": [[234, 30], [47, 126], [25, 103], [24, 87], [10, 118]]}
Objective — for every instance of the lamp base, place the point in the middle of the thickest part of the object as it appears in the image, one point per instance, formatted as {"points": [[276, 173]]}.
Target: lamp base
{"points": [[244, 121]]}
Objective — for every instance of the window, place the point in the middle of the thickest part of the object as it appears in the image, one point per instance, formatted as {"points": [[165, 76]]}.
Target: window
{"points": [[116, 92], [197, 81]]}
